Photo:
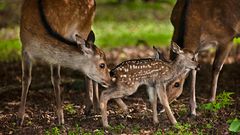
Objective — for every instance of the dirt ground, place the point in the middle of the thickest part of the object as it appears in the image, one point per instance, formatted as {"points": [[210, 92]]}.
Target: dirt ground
{"points": [[40, 108]]}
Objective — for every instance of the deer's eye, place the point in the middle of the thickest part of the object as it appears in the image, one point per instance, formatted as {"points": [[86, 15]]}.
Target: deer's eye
{"points": [[102, 65], [177, 84]]}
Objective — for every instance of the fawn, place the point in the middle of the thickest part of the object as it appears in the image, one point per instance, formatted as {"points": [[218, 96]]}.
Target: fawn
{"points": [[59, 33], [175, 87], [129, 75]]}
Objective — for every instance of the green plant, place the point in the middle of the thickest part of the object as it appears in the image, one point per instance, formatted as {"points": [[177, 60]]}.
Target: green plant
{"points": [[223, 100], [99, 132], [178, 129], [209, 125], [136, 129], [47, 133], [183, 129], [77, 131], [159, 132], [54, 131], [70, 109], [234, 125], [117, 129], [86, 133], [236, 40]]}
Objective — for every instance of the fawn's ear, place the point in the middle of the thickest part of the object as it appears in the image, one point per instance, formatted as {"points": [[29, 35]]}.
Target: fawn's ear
{"points": [[175, 48], [91, 37], [158, 53], [85, 47]]}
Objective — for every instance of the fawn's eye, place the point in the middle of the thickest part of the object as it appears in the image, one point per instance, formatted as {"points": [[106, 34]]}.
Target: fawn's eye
{"points": [[177, 84], [102, 65]]}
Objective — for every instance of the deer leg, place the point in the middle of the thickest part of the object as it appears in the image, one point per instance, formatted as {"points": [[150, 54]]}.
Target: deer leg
{"points": [[95, 97], [193, 104], [153, 100], [89, 97], [26, 81], [105, 97], [56, 80], [121, 104], [92, 95], [162, 95], [221, 54], [154, 106]]}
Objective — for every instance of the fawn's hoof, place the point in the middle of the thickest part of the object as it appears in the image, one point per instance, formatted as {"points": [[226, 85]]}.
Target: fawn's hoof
{"points": [[155, 122], [106, 126], [211, 99], [20, 118], [19, 121], [192, 115]]}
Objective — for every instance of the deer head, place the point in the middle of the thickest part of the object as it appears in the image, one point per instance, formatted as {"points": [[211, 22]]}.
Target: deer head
{"points": [[185, 57], [94, 56]]}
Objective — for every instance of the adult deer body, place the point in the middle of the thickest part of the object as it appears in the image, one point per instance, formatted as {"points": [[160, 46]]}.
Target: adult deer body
{"points": [[203, 24], [59, 33], [129, 75]]}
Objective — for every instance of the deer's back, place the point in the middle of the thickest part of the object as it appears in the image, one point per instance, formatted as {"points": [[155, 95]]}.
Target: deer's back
{"points": [[140, 70], [66, 17]]}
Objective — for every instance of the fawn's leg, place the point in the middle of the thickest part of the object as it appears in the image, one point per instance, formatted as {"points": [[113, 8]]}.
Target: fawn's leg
{"points": [[121, 104], [193, 104], [26, 81], [221, 54], [56, 80], [105, 97], [153, 100], [162, 95], [154, 106]]}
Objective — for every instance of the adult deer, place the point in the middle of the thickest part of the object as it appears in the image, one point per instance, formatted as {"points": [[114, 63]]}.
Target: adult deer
{"points": [[59, 33], [203, 24]]}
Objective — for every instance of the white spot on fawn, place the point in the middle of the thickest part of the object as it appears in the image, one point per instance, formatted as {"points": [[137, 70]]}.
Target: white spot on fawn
{"points": [[123, 76]]}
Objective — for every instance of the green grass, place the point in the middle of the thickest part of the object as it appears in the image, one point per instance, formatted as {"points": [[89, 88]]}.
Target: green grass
{"points": [[125, 24], [129, 33], [10, 50], [115, 25]]}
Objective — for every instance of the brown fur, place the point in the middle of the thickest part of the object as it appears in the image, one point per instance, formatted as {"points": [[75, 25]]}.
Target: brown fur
{"points": [[58, 33], [200, 24]]}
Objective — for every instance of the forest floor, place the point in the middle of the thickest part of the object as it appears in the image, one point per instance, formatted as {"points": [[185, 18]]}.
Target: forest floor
{"points": [[41, 117]]}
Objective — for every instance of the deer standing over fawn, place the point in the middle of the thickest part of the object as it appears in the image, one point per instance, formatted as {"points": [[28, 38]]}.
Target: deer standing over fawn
{"points": [[201, 24], [157, 74], [59, 33]]}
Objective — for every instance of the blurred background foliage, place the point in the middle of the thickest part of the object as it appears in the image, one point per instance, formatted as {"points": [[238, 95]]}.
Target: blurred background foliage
{"points": [[117, 23]]}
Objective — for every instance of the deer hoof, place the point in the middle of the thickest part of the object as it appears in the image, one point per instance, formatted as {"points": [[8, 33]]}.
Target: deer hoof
{"points": [[211, 99], [19, 121], [106, 126], [155, 122]]}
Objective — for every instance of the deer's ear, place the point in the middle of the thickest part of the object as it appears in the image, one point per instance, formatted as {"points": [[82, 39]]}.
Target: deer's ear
{"points": [[91, 37], [158, 53], [87, 50], [175, 48]]}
